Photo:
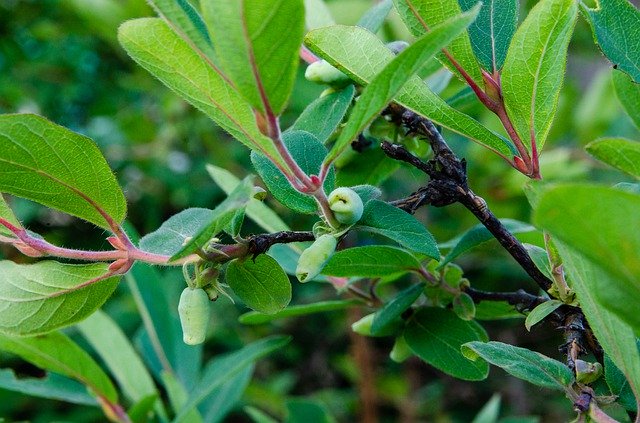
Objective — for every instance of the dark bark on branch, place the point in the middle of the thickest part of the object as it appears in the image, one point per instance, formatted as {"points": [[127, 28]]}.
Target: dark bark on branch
{"points": [[259, 244]]}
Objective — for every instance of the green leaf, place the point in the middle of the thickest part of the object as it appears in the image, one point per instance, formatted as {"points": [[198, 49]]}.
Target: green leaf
{"points": [[257, 318], [225, 397], [611, 23], [522, 363], [7, 214], [479, 235], [52, 386], [436, 335], [322, 117], [308, 152], [629, 95], [398, 225], [540, 312], [54, 166], [174, 232], [362, 56], [621, 153], [496, 310], [257, 44], [141, 411], [489, 412], [619, 385], [371, 166], [260, 283], [534, 68], [540, 258], [190, 74], [259, 416], [58, 353], [178, 397], [227, 366], [38, 298], [304, 410], [421, 16], [394, 308], [317, 14], [371, 262], [374, 18], [386, 84], [367, 192], [491, 32]]}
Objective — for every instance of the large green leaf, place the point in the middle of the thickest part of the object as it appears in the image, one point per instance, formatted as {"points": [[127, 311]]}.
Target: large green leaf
{"points": [[534, 68], [362, 56], [260, 283], [629, 95], [256, 318], [436, 335], [52, 386], [398, 225], [620, 153], [54, 166], [57, 353], [491, 32], [257, 43], [189, 73], [371, 262], [614, 24], [422, 16], [38, 298], [522, 363]]}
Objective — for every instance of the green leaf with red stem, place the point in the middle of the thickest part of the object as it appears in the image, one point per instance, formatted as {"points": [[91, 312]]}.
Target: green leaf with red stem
{"points": [[7, 214]]}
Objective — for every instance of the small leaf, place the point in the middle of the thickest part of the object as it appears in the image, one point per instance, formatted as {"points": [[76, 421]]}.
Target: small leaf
{"points": [[257, 318], [464, 307], [496, 310], [540, 258], [619, 385], [374, 18], [371, 262], [399, 226], [225, 397], [58, 168], [174, 232], [490, 412], [540, 312], [629, 95], [58, 353], [436, 335], [178, 396], [394, 308], [322, 117], [308, 152], [367, 192], [260, 283], [610, 23], [38, 298], [522, 363], [7, 214], [621, 153], [534, 68], [52, 386], [317, 14]]}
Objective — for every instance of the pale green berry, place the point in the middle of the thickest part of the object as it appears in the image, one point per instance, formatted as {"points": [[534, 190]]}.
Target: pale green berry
{"points": [[313, 259], [346, 205], [323, 73], [193, 310]]}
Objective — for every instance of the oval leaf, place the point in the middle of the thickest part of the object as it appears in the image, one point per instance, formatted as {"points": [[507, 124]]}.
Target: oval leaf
{"points": [[257, 318], [540, 312], [629, 95], [371, 262], [623, 154]]}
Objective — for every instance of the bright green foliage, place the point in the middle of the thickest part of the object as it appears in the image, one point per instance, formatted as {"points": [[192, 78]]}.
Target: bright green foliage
{"points": [[386, 84], [317, 14], [257, 44], [54, 166], [629, 95], [52, 386], [436, 335], [257, 318], [389, 221], [7, 214], [421, 16], [615, 26], [522, 363], [226, 397], [540, 312], [189, 73], [308, 152], [489, 412], [375, 17], [534, 68], [307, 410], [38, 298], [371, 262], [174, 232], [394, 308], [57, 353], [361, 55], [619, 385], [491, 32], [261, 283], [620, 153]]}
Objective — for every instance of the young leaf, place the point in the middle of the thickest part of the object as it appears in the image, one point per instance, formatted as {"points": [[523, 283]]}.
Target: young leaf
{"points": [[38, 298], [621, 153], [322, 117], [491, 32], [611, 23], [308, 152], [384, 87], [317, 14], [371, 262], [421, 16], [52, 386], [257, 318], [57, 353], [522, 363], [54, 166], [619, 385], [540, 312], [629, 95], [393, 223], [7, 214], [534, 68], [394, 308], [362, 56], [174, 232], [374, 18], [190, 74], [256, 52], [260, 283], [436, 335]]}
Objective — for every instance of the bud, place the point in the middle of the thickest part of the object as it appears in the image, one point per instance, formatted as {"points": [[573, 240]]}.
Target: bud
{"points": [[193, 310], [313, 259], [346, 205], [587, 372], [400, 351]]}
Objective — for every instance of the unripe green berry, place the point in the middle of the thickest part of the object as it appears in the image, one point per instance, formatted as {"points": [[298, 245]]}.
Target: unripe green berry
{"points": [[323, 73], [313, 259], [346, 205], [193, 310]]}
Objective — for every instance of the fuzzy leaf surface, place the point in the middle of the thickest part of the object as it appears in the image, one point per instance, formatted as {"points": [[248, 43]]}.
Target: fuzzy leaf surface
{"points": [[7, 214], [370, 262], [540, 312]]}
